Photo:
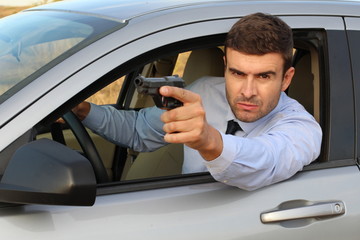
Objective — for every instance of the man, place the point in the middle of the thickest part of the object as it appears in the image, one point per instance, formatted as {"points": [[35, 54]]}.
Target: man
{"points": [[277, 136]]}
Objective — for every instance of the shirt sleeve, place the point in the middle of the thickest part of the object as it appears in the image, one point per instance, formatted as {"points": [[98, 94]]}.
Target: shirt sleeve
{"points": [[275, 155], [138, 130]]}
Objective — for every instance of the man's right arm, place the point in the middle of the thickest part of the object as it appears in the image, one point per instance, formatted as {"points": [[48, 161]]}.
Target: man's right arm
{"points": [[138, 130]]}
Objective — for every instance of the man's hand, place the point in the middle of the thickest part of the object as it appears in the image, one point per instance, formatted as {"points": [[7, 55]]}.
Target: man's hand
{"points": [[82, 110], [188, 125]]}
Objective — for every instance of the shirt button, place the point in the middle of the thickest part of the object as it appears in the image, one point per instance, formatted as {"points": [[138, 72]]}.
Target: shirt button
{"points": [[225, 181]]}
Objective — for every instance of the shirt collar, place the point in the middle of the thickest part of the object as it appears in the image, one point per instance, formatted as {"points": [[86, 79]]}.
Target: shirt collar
{"points": [[249, 126]]}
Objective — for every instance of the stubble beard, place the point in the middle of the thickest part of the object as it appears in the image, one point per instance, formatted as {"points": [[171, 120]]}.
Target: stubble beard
{"points": [[249, 116]]}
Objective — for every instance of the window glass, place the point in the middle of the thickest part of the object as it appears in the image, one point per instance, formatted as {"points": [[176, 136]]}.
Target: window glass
{"points": [[33, 41]]}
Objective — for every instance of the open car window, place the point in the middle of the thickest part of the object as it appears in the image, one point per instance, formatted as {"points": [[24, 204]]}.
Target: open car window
{"points": [[191, 64]]}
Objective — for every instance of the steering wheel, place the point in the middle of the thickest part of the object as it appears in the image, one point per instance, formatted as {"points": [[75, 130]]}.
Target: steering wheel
{"points": [[87, 145]]}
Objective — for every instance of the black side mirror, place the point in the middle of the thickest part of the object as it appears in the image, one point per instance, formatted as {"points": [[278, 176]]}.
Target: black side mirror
{"points": [[47, 172]]}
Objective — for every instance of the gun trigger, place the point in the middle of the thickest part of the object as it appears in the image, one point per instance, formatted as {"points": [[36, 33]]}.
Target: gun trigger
{"points": [[158, 101], [164, 102]]}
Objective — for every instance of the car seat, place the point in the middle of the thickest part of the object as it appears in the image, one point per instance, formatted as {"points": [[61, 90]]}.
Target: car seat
{"points": [[305, 85]]}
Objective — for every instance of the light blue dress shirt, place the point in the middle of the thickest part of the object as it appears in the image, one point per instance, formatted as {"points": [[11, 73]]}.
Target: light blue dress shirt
{"points": [[267, 151]]}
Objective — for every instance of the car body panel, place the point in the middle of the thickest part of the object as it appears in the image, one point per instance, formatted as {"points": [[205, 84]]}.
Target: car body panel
{"points": [[126, 10], [196, 211], [206, 211]]}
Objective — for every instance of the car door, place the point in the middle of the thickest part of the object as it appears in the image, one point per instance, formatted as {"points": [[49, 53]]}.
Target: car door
{"points": [[304, 206], [314, 203]]}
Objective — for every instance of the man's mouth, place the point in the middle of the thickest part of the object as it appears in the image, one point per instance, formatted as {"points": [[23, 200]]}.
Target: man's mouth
{"points": [[247, 106]]}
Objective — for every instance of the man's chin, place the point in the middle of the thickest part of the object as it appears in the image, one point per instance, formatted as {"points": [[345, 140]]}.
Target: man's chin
{"points": [[247, 119]]}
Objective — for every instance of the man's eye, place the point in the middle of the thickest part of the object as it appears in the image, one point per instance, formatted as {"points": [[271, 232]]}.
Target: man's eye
{"points": [[237, 73], [264, 76]]}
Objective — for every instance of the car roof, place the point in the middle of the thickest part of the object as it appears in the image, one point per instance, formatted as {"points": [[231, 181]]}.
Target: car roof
{"points": [[119, 9], [123, 10]]}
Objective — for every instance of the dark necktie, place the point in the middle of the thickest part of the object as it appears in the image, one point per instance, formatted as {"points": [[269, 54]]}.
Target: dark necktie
{"points": [[232, 127]]}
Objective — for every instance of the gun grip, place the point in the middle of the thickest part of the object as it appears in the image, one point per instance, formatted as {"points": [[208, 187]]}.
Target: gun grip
{"points": [[170, 103], [166, 102]]}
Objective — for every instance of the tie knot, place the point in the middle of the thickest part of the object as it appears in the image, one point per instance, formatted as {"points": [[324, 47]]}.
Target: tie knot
{"points": [[232, 127]]}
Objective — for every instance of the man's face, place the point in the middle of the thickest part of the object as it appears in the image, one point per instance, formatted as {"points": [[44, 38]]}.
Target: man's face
{"points": [[254, 83]]}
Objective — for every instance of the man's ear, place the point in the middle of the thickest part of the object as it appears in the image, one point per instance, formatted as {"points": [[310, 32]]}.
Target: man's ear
{"points": [[289, 74]]}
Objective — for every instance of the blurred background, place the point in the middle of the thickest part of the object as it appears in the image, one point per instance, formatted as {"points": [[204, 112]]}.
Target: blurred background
{"points": [[8, 7], [23, 2]]}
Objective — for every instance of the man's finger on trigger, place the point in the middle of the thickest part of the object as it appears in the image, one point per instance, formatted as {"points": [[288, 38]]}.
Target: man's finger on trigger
{"points": [[180, 94]]}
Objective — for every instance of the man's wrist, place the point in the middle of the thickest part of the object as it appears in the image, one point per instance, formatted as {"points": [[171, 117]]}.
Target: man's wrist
{"points": [[213, 146], [82, 110]]}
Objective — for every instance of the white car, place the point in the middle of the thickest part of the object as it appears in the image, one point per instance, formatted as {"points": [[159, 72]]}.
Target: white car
{"points": [[55, 56]]}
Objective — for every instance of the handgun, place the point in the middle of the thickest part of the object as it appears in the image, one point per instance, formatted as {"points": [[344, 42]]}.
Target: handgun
{"points": [[151, 87]]}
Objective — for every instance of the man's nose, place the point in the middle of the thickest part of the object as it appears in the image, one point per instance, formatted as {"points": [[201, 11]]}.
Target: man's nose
{"points": [[249, 87]]}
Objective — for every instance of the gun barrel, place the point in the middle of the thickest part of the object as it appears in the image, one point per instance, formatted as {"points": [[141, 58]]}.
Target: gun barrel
{"points": [[159, 82], [139, 81]]}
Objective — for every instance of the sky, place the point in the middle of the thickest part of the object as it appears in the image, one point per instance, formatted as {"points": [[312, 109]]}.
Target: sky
{"points": [[21, 2]]}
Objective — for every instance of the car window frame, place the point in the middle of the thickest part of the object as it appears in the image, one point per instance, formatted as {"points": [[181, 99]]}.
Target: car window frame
{"points": [[353, 35], [323, 162]]}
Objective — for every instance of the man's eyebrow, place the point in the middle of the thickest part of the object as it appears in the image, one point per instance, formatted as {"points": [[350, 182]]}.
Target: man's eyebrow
{"points": [[236, 71], [266, 73], [257, 74]]}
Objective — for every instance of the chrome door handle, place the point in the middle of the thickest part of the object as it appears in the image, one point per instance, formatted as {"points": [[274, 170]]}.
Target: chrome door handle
{"points": [[311, 210]]}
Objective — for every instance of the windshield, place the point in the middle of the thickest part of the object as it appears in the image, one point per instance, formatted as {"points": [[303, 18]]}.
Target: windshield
{"points": [[32, 42]]}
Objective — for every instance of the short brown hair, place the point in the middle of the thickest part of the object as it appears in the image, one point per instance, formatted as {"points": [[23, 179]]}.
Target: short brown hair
{"points": [[261, 33]]}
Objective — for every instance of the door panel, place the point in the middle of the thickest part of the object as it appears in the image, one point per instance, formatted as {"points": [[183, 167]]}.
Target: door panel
{"points": [[206, 211]]}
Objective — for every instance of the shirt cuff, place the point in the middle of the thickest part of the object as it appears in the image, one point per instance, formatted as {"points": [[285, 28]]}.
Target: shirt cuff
{"points": [[227, 156]]}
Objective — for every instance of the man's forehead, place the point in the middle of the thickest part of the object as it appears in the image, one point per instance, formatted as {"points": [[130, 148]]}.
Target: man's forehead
{"points": [[251, 63]]}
